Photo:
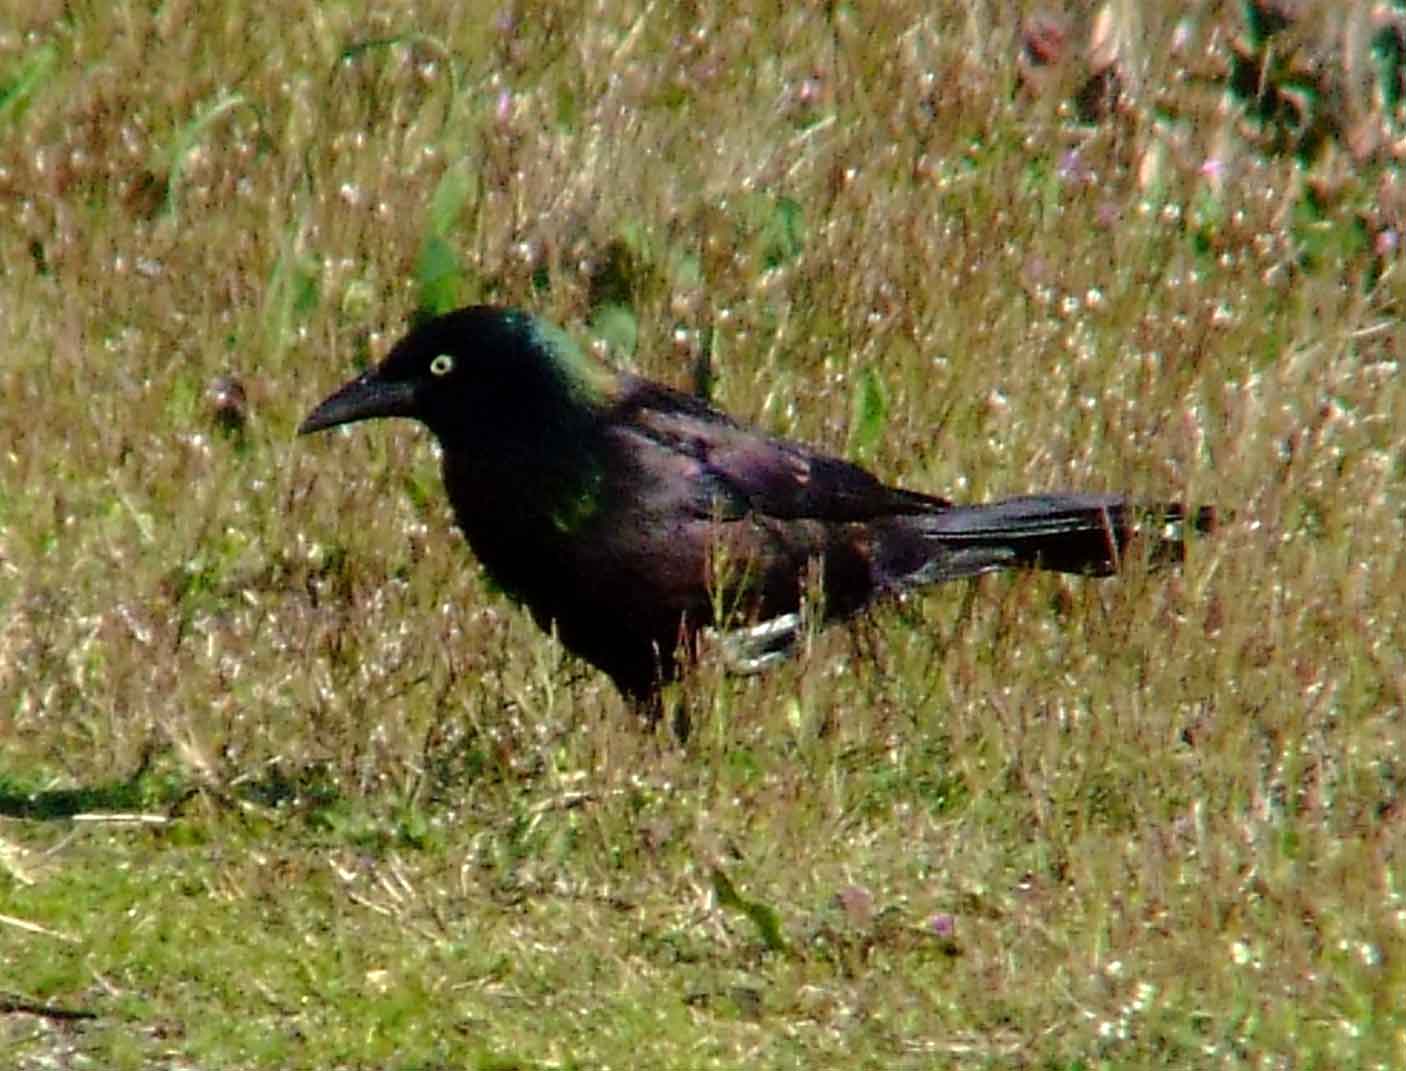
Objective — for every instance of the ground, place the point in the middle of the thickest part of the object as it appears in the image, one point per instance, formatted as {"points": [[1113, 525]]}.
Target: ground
{"points": [[286, 783]]}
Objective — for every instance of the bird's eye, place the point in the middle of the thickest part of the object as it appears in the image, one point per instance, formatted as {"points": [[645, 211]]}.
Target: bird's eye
{"points": [[442, 365]]}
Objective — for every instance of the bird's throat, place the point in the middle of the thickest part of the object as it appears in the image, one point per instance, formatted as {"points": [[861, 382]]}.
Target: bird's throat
{"points": [[528, 496]]}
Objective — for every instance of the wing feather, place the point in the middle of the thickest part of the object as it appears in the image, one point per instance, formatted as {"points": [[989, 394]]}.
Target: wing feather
{"points": [[741, 468]]}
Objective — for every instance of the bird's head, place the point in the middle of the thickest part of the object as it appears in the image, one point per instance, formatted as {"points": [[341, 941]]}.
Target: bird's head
{"points": [[481, 373]]}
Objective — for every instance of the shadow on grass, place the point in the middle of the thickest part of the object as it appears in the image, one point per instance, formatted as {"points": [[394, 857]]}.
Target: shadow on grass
{"points": [[308, 793], [150, 789], [144, 790]]}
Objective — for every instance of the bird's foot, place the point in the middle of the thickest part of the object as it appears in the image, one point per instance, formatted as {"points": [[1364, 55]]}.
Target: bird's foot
{"points": [[746, 651]]}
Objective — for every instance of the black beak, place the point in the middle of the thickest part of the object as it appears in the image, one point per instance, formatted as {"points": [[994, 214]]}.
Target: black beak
{"points": [[363, 398]]}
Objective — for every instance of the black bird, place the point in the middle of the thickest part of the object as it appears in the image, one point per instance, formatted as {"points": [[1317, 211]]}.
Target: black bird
{"points": [[623, 512]]}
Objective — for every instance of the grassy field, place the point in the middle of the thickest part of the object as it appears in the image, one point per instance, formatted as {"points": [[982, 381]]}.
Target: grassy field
{"points": [[285, 784]]}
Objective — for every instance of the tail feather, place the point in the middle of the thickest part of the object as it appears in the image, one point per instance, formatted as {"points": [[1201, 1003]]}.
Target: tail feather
{"points": [[1087, 534], [1068, 533]]}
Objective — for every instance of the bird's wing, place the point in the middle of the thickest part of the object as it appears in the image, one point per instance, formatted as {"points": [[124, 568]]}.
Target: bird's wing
{"points": [[731, 469]]}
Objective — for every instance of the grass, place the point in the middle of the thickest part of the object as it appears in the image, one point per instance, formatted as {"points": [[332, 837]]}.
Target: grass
{"points": [[285, 783]]}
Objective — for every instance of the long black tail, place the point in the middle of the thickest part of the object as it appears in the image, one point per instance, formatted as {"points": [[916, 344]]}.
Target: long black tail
{"points": [[1068, 533], [1088, 534]]}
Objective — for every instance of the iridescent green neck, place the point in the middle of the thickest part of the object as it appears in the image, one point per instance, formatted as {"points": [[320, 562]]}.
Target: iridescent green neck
{"points": [[588, 382]]}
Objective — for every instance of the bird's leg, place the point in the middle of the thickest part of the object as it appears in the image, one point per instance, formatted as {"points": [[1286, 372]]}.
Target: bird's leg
{"points": [[682, 721]]}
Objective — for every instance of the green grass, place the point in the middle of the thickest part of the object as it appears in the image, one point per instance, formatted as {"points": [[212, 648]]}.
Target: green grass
{"points": [[1149, 822]]}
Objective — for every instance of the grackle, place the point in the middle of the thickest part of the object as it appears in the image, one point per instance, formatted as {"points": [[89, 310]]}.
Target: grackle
{"points": [[624, 513]]}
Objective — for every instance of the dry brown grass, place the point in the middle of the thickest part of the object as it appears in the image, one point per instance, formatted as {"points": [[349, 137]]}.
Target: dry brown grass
{"points": [[1150, 822]]}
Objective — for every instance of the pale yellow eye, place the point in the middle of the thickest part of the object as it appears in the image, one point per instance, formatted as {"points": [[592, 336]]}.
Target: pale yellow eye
{"points": [[442, 365]]}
